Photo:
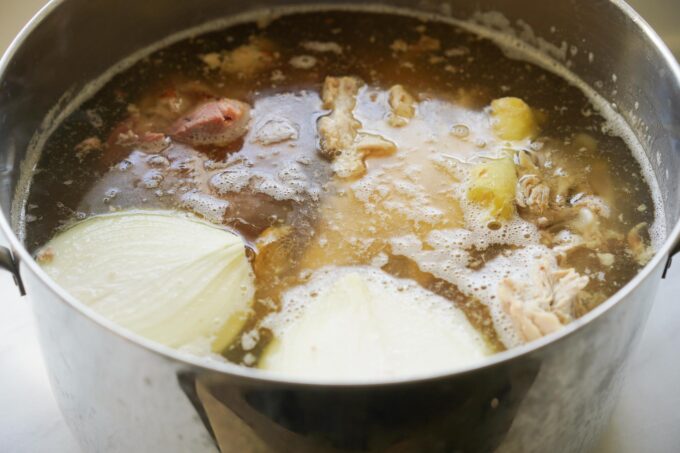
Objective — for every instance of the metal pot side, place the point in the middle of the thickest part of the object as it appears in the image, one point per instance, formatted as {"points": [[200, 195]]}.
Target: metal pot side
{"points": [[122, 393]]}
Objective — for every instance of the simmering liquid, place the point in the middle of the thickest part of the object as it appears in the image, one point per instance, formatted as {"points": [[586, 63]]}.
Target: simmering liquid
{"points": [[409, 206]]}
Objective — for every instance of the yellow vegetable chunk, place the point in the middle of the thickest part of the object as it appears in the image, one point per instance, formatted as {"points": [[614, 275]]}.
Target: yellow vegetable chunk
{"points": [[514, 119], [493, 186]]}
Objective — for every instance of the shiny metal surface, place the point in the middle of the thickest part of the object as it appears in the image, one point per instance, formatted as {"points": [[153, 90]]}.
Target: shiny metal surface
{"points": [[10, 264], [555, 394]]}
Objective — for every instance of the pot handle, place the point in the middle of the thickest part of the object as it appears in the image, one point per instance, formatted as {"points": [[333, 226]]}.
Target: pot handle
{"points": [[8, 263], [674, 251]]}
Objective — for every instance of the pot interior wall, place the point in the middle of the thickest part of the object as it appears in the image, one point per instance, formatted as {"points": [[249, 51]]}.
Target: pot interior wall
{"points": [[80, 40]]}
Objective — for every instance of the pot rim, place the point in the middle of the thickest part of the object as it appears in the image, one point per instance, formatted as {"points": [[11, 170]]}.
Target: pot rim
{"points": [[270, 378]]}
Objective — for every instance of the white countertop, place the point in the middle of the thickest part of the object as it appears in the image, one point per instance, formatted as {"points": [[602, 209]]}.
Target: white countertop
{"points": [[647, 418]]}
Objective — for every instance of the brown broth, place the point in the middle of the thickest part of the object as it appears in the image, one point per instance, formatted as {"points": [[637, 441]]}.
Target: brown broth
{"points": [[324, 222]]}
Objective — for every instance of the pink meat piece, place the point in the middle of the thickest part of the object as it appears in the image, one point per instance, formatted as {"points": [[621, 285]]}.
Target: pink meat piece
{"points": [[217, 123]]}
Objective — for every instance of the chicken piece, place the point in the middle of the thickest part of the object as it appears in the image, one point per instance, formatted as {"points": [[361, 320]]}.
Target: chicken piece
{"points": [[542, 304], [218, 123], [87, 146], [45, 255], [528, 163], [493, 186], [131, 135], [322, 46], [161, 109], [594, 203], [340, 139], [590, 227], [424, 44], [276, 129], [402, 105], [606, 259], [339, 129], [637, 246], [514, 119], [565, 242], [584, 141], [244, 60], [532, 194], [150, 142], [351, 164]]}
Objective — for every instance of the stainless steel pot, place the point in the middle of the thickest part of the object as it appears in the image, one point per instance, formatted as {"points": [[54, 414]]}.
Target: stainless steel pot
{"points": [[120, 392]]}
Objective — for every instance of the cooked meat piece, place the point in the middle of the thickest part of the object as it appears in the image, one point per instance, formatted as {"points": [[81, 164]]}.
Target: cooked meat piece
{"points": [[253, 213], [339, 129], [151, 142], [319, 46], [606, 259], [424, 44], [402, 105], [594, 203], [152, 114], [161, 110], [565, 242], [528, 163], [532, 193], [589, 225], [244, 60], [87, 146], [340, 139], [303, 62], [351, 164], [637, 246], [218, 123], [275, 129], [543, 303], [45, 255]]}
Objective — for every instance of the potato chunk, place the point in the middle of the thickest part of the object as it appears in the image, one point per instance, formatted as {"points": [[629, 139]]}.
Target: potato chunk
{"points": [[514, 119], [493, 186]]}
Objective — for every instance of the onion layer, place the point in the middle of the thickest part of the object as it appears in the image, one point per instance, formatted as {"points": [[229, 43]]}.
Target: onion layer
{"points": [[359, 322], [170, 278]]}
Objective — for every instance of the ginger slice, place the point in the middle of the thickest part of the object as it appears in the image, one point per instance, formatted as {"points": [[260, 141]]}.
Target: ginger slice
{"points": [[339, 131]]}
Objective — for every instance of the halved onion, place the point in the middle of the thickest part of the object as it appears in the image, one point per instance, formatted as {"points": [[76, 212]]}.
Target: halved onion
{"points": [[167, 277], [359, 322]]}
